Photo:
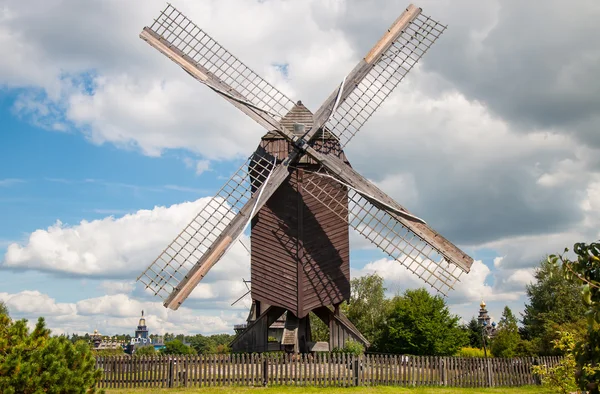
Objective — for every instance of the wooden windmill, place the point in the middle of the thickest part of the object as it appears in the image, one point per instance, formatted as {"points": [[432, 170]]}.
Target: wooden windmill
{"points": [[298, 190]]}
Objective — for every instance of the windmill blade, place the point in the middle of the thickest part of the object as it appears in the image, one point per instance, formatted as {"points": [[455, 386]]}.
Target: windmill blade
{"points": [[177, 37], [376, 76], [181, 266], [389, 231]]}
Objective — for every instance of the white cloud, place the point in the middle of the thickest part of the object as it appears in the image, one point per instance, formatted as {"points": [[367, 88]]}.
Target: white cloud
{"points": [[112, 247], [200, 166], [470, 288], [116, 287], [32, 302], [115, 314]]}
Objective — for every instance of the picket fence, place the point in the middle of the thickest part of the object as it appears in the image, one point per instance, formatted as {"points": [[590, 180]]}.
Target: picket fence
{"points": [[320, 369]]}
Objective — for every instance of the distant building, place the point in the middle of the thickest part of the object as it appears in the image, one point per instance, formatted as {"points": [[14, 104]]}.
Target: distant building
{"points": [[142, 338], [104, 343], [485, 320]]}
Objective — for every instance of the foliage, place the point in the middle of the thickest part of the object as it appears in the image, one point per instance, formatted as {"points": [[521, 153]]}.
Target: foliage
{"points": [[562, 376], [351, 347], [177, 347], [218, 343], [554, 305], [507, 337], [367, 307], [145, 351], [318, 330], [585, 271], [474, 331], [3, 308], [421, 324], [36, 362], [470, 352], [108, 352]]}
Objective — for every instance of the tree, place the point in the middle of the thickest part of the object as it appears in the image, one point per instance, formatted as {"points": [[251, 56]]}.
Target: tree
{"points": [[3, 308], [421, 324], [554, 305], [318, 330], [202, 344], [367, 307], [585, 272], [145, 351], [38, 363], [474, 331], [506, 340], [177, 347]]}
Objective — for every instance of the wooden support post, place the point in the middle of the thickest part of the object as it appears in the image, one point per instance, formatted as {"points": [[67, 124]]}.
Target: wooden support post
{"points": [[356, 368], [171, 374], [490, 380], [444, 372], [265, 370]]}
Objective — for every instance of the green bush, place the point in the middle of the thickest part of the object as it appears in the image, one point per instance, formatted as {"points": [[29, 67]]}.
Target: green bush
{"points": [[561, 377], [37, 363], [470, 352], [176, 347], [145, 351], [351, 347]]}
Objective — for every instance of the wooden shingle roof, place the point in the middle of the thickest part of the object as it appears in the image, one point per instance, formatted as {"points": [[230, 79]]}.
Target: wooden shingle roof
{"points": [[298, 114]]}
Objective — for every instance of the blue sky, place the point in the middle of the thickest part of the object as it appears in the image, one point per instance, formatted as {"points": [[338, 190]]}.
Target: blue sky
{"points": [[109, 148]]}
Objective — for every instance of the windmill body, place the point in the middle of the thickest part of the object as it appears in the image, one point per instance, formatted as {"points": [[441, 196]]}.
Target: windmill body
{"points": [[298, 192], [299, 248]]}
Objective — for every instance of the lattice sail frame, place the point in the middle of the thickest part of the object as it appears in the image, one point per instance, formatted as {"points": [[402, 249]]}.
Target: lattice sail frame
{"points": [[174, 263], [380, 227], [186, 36], [383, 78]]}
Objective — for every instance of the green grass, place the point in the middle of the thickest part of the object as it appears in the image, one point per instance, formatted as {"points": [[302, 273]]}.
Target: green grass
{"points": [[339, 390]]}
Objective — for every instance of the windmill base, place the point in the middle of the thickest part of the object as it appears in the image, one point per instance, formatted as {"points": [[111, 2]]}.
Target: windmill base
{"points": [[296, 336]]}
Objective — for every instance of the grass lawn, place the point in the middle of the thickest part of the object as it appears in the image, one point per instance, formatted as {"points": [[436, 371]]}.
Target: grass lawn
{"points": [[339, 390]]}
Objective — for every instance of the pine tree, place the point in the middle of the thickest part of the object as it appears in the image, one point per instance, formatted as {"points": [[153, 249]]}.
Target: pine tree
{"points": [[507, 339], [35, 362]]}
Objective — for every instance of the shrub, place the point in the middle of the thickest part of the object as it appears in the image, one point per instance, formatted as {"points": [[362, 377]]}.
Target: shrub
{"points": [[177, 347], [351, 347], [562, 376], [37, 363], [145, 351], [470, 352]]}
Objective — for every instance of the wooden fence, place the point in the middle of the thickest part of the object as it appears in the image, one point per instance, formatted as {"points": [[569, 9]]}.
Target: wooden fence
{"points": [[315, 370]]}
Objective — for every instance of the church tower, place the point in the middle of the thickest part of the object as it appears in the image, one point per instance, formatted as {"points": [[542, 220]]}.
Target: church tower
{"points": [[142, 330]]}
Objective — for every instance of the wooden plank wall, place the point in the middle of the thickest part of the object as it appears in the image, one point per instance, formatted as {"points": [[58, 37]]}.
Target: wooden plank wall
{"points": [[320, 369]]}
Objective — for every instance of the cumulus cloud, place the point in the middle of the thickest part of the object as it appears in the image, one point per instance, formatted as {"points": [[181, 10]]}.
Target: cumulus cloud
{"points": [[112, 247], [470, 288], [115, 314]]}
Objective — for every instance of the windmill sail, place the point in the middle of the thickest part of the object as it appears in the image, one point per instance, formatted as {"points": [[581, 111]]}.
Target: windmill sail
{"points": [[204, 58], [369, 84], [384, 227], [222, 219]]}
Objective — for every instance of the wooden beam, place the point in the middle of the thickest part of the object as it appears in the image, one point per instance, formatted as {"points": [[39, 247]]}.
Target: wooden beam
{"points": [[206, 77], [348, 175], [229, 234], [393, 32], [363, 67]]}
